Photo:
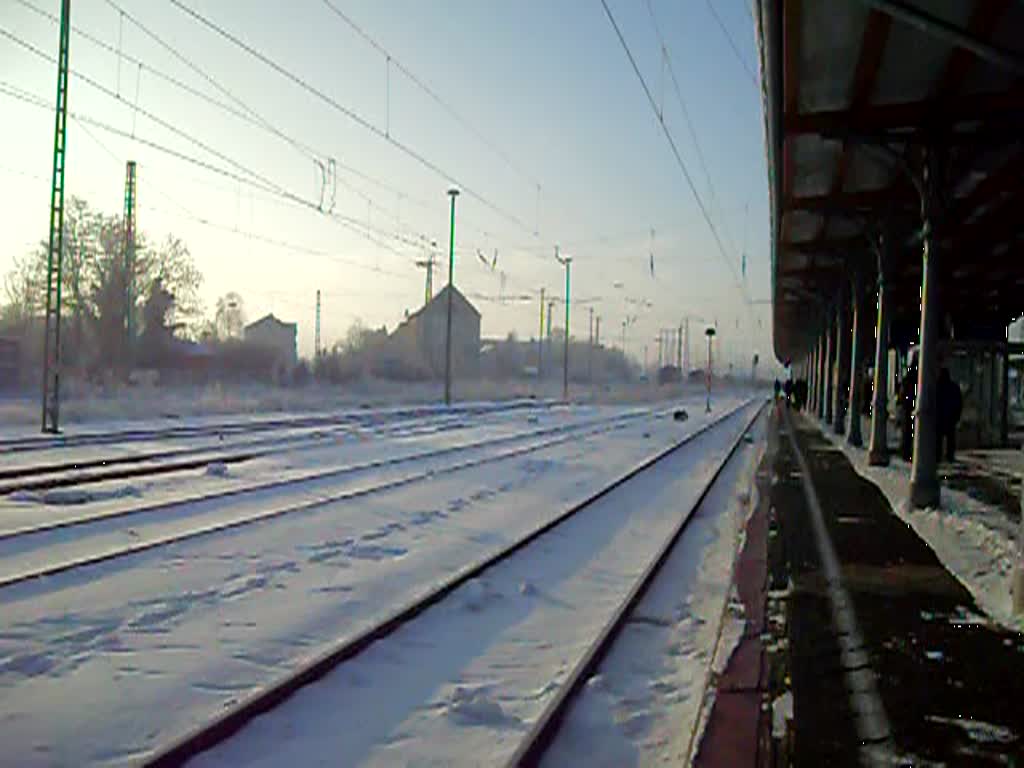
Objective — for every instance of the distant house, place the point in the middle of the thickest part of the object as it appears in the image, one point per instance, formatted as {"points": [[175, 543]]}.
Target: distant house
{"points": [[276, 335], [423, 334]]}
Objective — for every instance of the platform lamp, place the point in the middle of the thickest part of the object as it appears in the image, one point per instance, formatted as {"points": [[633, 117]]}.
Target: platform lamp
{"points": [[453, 192], [710, 333]]}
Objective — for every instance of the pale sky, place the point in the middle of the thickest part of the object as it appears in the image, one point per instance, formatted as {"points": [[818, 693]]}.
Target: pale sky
{"points": [[544, 95]]}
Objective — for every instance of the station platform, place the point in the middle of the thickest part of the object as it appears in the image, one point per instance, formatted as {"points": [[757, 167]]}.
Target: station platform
{"points": [[922, 676]]}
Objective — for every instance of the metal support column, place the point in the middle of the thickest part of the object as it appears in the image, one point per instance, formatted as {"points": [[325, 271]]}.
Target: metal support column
{"points": [[878, 452], [823, 352], [854, 436], [55, 248], [809, 376], [129, 257], [829, 366], [1004, 397], [840, 397], [924, 479]]}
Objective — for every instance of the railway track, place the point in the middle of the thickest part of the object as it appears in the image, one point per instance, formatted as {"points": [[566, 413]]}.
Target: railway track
{"points": [[66, 474], [354, 417], [531, 747], [38, 551]]}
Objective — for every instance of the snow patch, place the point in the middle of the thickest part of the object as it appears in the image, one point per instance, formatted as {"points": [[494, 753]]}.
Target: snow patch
{"points": [[974, 540], [978, 731], [597, 731], [475, 706], [782, 713], [217, 469]]}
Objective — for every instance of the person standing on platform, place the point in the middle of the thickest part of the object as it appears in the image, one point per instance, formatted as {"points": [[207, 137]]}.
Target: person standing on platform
{"points": [[950, 403]]}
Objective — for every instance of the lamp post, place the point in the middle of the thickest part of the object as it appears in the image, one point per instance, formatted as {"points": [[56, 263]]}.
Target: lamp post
{"points": [[710, 333], [565, 261], [453, 192]]}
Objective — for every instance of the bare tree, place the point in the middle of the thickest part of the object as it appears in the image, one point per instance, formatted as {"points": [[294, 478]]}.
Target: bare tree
{"points": [[229, 317]]}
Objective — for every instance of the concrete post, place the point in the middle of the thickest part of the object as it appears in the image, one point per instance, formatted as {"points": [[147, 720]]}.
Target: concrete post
{"points": [[1017, 583], [853, 436], [924, 479], [839, 395], [1004, 398], [878, 452], [829, 368]]}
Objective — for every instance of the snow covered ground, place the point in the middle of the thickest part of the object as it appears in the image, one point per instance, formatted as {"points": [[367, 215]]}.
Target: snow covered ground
{"points": [[346, 447], [100, 665], [974, 540], [645, 705], [128, 529], [461, 684]]}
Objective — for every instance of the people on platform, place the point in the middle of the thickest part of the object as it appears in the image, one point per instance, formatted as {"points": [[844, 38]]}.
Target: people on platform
{"points": [[950, 403], [800, 393], [787, 389]]}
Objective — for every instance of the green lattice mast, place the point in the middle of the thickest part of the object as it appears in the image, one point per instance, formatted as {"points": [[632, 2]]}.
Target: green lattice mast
{"points": [[55, 252]]}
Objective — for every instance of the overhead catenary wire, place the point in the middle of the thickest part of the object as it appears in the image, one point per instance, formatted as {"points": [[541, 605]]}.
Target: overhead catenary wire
{"points": [[266, 239], [393, 61], [667, 62], [732, 43], [348, 112], [354, 225], [242, 112], [675, 150]]}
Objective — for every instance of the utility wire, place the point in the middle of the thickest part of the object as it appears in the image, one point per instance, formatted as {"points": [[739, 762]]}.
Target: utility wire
{"points": [[675, 150], [243, 112], [686, 115], [732, 43], [256, 180], [354, 225], [346, 111], [452, 112], [173, 51]]}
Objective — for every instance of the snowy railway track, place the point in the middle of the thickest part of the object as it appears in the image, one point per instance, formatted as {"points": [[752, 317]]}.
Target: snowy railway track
{"points": [[39, 551], [48, 476], [352, 417], [212, 742]]}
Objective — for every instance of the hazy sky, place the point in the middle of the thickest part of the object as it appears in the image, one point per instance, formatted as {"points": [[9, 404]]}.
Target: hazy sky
{"points": [[543, 93]]}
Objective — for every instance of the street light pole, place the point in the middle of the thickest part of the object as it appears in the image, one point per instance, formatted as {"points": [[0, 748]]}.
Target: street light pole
{"points": [[590, 354], [566, 262], [540, 341], [710, 333], [452, 193]]}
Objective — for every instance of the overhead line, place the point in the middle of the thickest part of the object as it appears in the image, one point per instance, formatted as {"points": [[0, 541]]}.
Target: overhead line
{"points": [[732, 44], [452, 112], [301, 147], [346, 111], [189, 214], [243, 112], [354, 225], [675, 149], [686, 112]]}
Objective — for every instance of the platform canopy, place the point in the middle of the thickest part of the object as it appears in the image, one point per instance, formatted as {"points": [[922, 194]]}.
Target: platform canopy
{"points": [[856, 93]]}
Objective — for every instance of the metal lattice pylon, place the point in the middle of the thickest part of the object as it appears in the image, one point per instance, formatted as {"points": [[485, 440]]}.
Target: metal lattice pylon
{"points": [[129, 254], [55, 251]]}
